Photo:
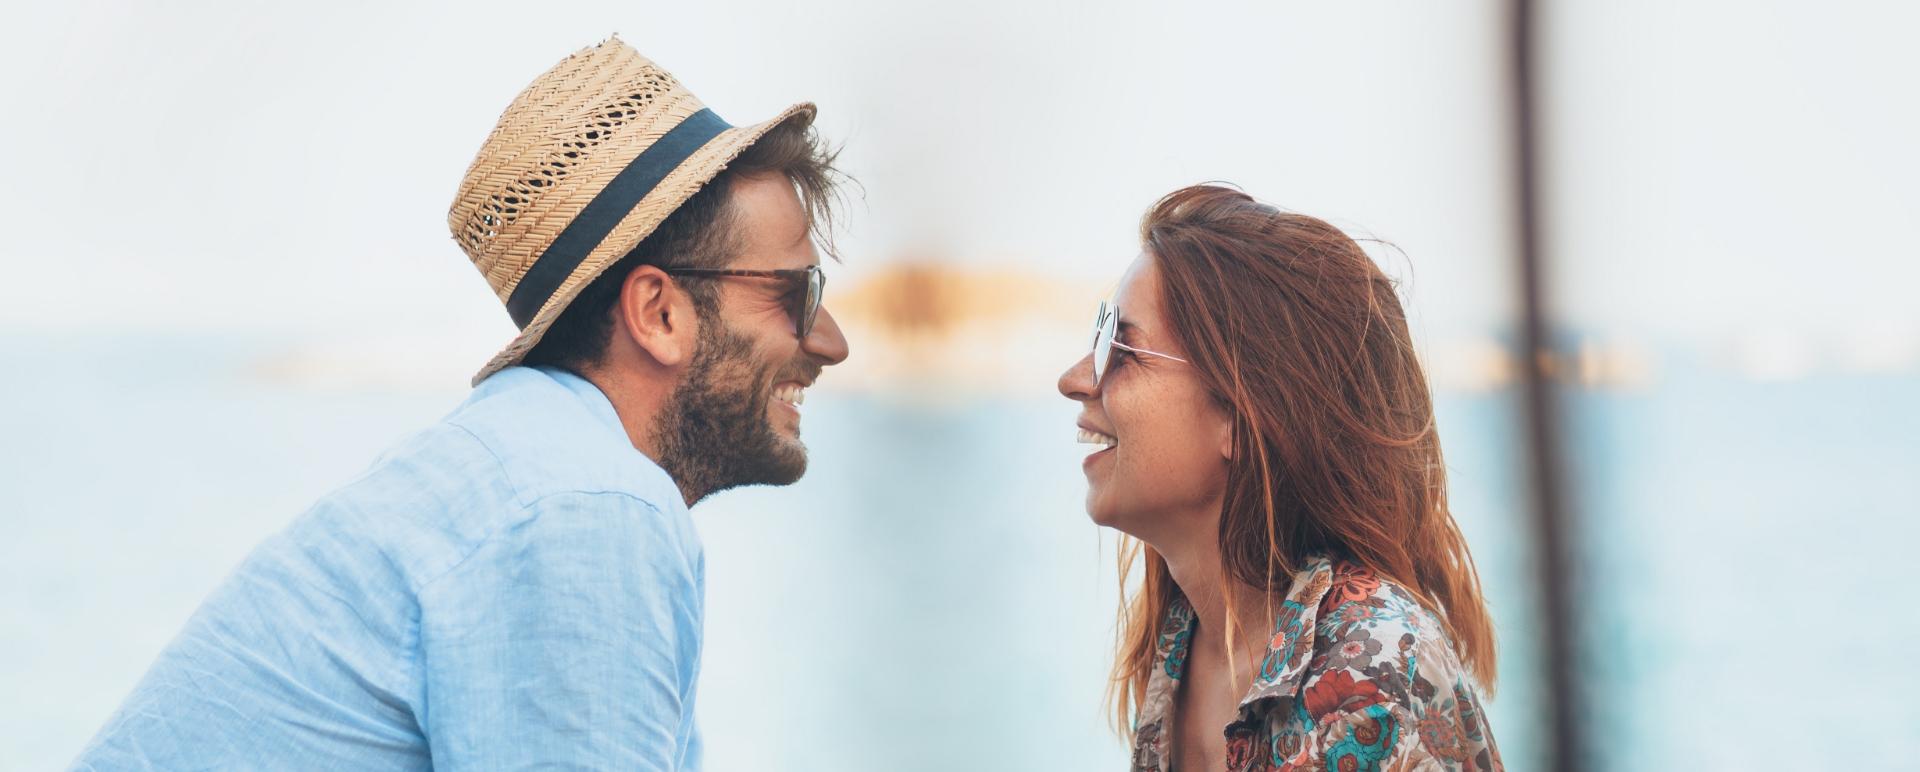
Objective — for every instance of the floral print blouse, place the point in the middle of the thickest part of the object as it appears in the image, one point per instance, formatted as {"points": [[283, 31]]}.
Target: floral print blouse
{"points": [[1358, 676]]}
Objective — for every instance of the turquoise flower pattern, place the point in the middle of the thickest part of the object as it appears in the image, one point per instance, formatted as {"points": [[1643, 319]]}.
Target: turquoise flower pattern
{"points": [[1358, 676], [1289, 641]]}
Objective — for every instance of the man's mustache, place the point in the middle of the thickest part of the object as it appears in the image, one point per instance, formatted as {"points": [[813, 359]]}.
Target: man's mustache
{"points": [[805, 373]]}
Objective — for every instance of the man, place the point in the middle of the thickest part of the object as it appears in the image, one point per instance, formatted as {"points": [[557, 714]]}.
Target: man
{"points": [[520, 584]]}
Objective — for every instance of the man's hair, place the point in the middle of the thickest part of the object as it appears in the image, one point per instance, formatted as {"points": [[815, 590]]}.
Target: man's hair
{"points": [[699, 234]]}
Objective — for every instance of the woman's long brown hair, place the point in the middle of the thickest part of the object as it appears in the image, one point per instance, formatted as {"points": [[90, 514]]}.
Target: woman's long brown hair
{"points": [[1301, 337]]}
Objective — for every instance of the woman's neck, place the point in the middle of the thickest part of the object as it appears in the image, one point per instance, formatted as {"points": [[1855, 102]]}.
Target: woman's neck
{"points": [[1214, 594]]}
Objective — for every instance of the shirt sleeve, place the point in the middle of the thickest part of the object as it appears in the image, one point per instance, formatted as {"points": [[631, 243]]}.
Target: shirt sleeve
{"points": [[569, 642], [1379, 736]]}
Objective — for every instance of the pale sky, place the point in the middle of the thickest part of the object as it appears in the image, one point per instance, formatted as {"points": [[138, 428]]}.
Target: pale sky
{"points": [[287, 168], [1738, 168]]}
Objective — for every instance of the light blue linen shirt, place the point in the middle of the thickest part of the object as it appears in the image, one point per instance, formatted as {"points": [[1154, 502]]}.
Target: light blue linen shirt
{"points": [[516, 586]]}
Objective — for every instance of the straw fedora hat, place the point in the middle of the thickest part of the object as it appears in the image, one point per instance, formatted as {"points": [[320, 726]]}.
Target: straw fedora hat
{"points": [[582, 166]]}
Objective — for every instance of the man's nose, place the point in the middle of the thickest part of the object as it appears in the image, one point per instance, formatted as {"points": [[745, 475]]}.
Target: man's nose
{"points": [[825, 340]]}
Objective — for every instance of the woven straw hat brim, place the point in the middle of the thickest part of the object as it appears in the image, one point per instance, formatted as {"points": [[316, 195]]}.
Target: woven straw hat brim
{"points": [[679, 185]]}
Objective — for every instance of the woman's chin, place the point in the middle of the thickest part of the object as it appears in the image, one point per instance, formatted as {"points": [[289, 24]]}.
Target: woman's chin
{"points": [[1099, 511]]}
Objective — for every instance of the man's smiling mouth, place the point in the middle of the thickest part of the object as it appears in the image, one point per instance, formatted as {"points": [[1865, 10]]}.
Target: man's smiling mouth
{"points": [[790, 394]]}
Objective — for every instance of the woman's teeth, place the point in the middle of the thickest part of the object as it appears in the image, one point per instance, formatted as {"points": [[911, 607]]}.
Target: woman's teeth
{"points": [[792, 394], [1096, 438]]}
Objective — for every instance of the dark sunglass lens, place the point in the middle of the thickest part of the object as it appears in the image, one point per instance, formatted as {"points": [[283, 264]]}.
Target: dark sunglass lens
{"points": [[810, 301]]}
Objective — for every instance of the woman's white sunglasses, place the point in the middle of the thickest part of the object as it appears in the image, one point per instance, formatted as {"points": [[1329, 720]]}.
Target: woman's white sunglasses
{"points": [[1105, 324]]}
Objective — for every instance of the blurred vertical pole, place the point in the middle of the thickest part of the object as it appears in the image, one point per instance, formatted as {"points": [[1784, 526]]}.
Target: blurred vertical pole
{"points": [[1565, 703]]}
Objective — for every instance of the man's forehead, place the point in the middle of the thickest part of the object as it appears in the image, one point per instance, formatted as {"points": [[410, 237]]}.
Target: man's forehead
{"points": [[799, 253], [772, 222]]}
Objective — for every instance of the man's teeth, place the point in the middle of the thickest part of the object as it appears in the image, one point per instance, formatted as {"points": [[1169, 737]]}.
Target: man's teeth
{"points": [[791, 394], [1096, 438]]}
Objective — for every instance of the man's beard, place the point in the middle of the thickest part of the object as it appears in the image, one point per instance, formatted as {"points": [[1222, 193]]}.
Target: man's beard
{"points": [[715, 433]]}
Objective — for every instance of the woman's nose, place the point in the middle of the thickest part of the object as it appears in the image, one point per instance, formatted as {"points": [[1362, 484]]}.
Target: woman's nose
{"points": [[1077, 382]]}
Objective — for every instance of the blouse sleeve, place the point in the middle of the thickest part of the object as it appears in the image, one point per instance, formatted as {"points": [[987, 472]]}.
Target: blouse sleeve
{"points": [[1382, 736]]}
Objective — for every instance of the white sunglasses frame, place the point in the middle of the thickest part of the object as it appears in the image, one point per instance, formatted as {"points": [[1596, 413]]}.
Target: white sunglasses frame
{"points": [[1106, 324]]}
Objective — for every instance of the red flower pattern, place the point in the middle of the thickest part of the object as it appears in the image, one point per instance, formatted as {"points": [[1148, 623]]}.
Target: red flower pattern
{"points": [[1351, 582], [1339, 691], [1240, 749]]}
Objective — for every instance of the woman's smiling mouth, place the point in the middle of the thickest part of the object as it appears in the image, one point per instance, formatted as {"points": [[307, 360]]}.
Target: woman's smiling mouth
{"points": [[1091, 437], [1105, 442]]}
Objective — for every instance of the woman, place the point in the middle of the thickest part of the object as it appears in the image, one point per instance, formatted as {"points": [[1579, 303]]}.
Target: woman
{"points": [[1268, 445]]}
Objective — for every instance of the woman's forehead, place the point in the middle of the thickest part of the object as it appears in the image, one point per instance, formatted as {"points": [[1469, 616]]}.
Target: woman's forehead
{"points": [[1138, 296]]}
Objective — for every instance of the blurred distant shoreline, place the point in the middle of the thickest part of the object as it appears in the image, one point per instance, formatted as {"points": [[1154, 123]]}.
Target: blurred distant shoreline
{"points": [[939, 330]]}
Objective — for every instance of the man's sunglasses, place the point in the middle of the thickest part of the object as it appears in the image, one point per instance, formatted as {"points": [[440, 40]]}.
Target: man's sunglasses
{"points": [[1106, 324], [806, 305]]}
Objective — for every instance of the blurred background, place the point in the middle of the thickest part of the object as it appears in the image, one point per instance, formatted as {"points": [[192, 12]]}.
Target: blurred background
{"points": [[226, 286]]}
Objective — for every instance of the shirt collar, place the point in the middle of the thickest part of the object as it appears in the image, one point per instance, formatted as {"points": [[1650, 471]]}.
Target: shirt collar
{"points": [[1281, 670], [597, 403], [554, 429], [589, 395]]}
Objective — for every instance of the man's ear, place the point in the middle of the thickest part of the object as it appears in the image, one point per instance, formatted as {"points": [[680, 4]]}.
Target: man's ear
{"points": [[657, 316]]}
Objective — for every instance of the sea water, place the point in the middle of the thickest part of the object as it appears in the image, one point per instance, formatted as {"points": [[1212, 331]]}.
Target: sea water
{"points": [[932, 596]]}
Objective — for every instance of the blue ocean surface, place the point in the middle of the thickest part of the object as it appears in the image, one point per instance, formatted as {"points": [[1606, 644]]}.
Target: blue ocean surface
{"points": [[932, 597], [1748, 579]]}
